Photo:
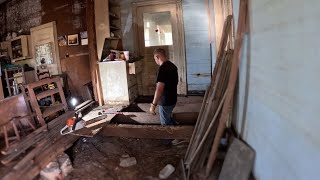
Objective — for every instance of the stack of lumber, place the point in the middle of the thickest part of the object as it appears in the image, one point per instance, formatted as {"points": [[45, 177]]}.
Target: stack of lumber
{"points": [[218, 102], [35, 151]]}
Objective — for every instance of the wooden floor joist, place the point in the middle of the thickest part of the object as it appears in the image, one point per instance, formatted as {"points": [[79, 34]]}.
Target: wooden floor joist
{"points": [[148, 131], [182, 118]]}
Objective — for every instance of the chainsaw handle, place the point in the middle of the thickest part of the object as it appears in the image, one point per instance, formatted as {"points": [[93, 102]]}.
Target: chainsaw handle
{"points": [[63, 131]]}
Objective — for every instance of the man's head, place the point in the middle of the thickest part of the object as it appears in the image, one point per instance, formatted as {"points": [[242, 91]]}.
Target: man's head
{"points": [[159, 56]]}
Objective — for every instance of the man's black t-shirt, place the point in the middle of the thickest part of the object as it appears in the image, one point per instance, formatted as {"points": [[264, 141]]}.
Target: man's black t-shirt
{"points": [[168, 74]]}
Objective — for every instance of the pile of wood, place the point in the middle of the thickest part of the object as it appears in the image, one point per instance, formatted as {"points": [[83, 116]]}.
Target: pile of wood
{"points": [[35, 151], [218, 102]]}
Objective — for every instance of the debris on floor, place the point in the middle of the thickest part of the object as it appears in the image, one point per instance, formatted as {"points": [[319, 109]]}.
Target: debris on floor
{"points": [[127, 161], [98, 158], [166, 171], [57, 169]]}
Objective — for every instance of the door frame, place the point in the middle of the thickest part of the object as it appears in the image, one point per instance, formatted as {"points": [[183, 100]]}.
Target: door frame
{"points": [[182, 87]]}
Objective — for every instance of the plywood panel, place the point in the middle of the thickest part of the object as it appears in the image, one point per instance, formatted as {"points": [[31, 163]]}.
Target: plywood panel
{"points": [[102, 23]]}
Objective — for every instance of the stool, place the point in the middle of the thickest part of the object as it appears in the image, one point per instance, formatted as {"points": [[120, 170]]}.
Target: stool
{"points": [[15, 122]]}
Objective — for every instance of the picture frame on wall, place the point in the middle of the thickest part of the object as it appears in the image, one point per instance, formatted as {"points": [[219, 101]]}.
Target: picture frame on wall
{"points": [[62, 40], [84, 38], [73, 40]]}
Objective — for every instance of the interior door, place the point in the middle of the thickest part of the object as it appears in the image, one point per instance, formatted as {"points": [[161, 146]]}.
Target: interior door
{"points": [[44, 45], [158, 28]]}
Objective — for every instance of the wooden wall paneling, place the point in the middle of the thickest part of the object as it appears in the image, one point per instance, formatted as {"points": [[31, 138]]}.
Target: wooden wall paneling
{"points": [[93, 54], [102, 24]]}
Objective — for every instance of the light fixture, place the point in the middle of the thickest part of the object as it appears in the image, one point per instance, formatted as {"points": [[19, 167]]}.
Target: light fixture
{"points": [[73, 101]]}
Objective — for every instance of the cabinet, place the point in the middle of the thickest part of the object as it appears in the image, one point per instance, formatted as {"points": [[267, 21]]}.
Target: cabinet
{"points": [[21, 48], [118, 86], [107, 21], [6, 45]]}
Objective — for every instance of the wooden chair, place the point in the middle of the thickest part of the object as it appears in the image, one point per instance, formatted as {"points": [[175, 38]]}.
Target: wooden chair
{"points": [[12, 111], [54, 108]]}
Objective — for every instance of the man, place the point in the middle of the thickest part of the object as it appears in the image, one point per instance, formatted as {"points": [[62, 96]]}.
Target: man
{"points": [[166, 91]]}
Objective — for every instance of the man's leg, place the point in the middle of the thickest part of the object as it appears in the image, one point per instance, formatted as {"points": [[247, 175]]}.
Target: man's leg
{"points": [[166, 115]]}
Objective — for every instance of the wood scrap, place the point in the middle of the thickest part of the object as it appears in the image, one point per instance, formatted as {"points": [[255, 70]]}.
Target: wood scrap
{"points": [[44, 149], [211, 112], [227, 108], [238, 162], [216, 107]]}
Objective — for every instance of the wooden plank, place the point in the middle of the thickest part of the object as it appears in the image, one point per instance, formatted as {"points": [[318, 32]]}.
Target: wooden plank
{"points": [[148, 131], [101, 9], [180, 107], [55, 145], [1, 90], [35, 137], [183, 118], [47, 93], [52, 109], [226, 110], [93, 54], [238, 162], [42, 82]]}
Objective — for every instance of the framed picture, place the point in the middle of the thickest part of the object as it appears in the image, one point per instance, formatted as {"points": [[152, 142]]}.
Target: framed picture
{"points": [[62, 40], [44, 54], [84, 38], [73, 39]]}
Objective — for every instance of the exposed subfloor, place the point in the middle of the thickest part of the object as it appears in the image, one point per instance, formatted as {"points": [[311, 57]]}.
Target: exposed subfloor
{"points": [[99, 158]]}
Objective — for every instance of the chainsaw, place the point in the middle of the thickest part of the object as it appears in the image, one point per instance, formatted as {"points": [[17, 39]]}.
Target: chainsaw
{"points": [[76, 122]]}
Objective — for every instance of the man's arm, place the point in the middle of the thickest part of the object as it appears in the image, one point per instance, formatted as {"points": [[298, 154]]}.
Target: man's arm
{"points": [[158, 93]]}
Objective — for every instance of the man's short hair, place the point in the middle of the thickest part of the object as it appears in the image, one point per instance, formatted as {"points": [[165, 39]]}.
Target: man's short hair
{"points": [[160, 51]]}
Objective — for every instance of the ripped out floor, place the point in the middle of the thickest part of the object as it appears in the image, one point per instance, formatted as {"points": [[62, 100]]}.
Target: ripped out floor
{"points": [[99, 158]]}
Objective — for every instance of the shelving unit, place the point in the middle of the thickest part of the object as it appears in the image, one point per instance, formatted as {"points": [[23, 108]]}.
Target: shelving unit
{"points": [[21, 48], [114, 18]]}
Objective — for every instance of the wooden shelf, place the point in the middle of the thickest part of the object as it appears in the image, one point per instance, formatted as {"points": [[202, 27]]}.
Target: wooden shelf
{"points": [[21, 58], [52, 109], [47, 93]]}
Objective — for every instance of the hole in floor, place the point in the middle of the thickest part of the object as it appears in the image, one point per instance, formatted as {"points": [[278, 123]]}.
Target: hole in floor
{"points": [[99, 158]]}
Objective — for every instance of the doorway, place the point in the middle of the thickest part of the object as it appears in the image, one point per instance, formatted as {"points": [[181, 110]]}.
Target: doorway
{"points": [[159, 25]]}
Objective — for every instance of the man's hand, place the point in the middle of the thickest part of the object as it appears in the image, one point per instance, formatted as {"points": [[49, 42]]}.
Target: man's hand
{"points": [[152, 109]]}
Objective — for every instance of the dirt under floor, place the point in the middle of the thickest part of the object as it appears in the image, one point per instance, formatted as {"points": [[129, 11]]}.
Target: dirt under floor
{"points": [[99, 158]]}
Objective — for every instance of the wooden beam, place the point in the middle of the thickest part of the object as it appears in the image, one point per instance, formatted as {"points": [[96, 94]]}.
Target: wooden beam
{"points": [[148, 131], [182, 118], [93, 54]]}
